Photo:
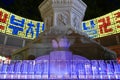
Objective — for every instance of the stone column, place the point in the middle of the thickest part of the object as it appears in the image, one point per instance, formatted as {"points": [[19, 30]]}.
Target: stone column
{"points": [[57, 13], [23, 44], [4, 43], [5, 40]]}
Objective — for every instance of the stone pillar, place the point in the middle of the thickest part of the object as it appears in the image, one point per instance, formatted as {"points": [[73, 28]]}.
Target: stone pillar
{"points": [[4, 43], [5, 40], [23, 44], [57, 13]]}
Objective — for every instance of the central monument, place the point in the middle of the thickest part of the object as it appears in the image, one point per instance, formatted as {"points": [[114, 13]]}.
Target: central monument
{"points": [[62, 14], [63, 38]]}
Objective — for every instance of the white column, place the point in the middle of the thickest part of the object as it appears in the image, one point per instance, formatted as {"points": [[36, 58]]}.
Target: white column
{"points": [[4, 43], [23, 44], [5, 40]]}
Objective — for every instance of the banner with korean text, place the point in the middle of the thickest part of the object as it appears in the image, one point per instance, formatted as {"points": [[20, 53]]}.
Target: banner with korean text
{"points": [[106, 25], [12, 24], [102, 26]]}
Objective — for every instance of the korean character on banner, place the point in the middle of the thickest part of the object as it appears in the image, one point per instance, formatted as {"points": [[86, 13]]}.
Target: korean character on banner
{"points": [[91, 27], [105, 26], [116, 15], [94, 33], [116, 27], [39, 28], [33, 29], [16, 25], [89, 24], [4, 16], [43, 27], [94, 28], [30, 29], [92, 24], [85, 25]]}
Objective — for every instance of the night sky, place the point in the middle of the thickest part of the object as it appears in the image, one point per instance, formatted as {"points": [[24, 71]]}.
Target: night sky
{"points": [[29, 8]]}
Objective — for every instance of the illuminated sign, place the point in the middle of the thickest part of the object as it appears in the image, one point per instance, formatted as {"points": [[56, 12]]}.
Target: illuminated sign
{"points": [[12, 24], [108, 24]]}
